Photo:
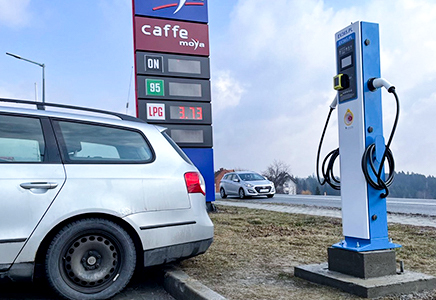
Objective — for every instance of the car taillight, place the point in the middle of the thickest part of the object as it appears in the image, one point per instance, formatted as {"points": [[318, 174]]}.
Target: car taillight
{"points": [[194, 183]]}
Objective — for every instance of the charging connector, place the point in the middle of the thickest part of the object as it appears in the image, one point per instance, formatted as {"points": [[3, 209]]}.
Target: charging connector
{"points": [[334, 103], [375, 83]]}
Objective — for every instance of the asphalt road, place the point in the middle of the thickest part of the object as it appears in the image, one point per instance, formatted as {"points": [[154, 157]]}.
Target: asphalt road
{"points": [[143, 286], [394, 205]]}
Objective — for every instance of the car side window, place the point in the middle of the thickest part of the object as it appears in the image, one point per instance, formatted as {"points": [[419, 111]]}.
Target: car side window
{"points": [[21, 140], [93, 143]]}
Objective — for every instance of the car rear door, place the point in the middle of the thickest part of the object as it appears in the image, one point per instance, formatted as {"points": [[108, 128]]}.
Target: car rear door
{"points": [[225, 182], [31, 175], [116, 169], [233, 185]]}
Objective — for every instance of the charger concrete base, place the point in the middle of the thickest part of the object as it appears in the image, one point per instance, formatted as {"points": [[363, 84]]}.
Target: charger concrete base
{"points": [[365, 265], [372, 287]]}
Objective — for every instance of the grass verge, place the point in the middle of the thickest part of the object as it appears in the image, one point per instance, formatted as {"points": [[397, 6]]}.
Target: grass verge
{"points": [[255, 251]]}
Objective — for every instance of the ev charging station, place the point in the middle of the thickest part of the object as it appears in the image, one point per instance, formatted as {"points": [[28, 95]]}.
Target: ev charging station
{"points": [[364, 214], [366, 253]]}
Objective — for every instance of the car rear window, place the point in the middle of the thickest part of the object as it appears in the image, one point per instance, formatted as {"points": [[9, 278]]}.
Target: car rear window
{"points": [[177, 148], [21, 139], [95, 143]]}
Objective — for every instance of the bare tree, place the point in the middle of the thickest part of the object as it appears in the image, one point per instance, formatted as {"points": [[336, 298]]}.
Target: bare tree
{"points": [[278, 172]]}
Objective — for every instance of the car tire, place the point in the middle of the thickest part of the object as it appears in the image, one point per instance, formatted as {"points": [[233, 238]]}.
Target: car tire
{"points": [[241, 193], [223, 193], [90, 259], [270, 196]]}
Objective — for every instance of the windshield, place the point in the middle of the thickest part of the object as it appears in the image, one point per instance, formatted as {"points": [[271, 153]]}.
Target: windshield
{"points": [[251, 176]]}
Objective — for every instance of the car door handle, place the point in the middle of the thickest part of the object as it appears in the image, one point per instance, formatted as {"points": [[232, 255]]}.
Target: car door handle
{"points": [[39, 185]]}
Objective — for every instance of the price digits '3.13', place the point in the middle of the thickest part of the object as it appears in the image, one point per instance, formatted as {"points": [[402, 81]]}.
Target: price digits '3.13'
{"points": [[186, 112]]}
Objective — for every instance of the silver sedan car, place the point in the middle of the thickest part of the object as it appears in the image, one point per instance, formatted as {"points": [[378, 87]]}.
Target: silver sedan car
{"points": [[246, 184]]}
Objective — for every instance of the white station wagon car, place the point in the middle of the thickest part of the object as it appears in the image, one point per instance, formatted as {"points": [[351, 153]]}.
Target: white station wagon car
{"points": [[86, 199]]}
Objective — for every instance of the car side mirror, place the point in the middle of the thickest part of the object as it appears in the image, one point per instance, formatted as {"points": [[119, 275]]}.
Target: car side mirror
{"points": [[236, 180]]}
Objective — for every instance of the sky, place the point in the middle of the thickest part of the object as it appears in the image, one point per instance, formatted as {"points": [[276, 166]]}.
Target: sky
{"points": [[272, 64]]}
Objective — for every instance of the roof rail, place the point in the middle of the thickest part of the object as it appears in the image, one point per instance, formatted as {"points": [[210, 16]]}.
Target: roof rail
{"points": [[41, 106]]}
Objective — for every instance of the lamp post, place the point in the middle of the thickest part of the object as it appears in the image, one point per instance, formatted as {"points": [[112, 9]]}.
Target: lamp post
{"points": [[36, 63]]}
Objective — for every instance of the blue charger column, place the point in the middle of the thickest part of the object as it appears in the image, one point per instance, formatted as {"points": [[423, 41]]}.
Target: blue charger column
{"points": [[203, 160], [374, 134], [365, 229]]}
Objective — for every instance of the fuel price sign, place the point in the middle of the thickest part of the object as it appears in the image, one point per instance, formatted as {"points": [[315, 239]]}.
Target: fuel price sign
{"points": [[171, 40], [171, 112], [166, 88], [161, 64]]}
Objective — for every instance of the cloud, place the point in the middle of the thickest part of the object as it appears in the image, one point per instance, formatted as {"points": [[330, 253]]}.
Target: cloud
{"points": [[226, 91], [282, 53], [14, 13], [275, 52], [415, 141]]}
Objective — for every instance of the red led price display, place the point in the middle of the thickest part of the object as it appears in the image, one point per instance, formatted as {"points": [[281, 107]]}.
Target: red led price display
{"points": [[186, 112]]}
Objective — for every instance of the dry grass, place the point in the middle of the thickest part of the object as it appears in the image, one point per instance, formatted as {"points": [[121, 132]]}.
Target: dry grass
{"points": [[255, 252]]}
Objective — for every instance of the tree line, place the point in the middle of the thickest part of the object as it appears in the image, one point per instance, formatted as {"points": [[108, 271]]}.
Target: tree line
{"points": [[405, 185]]}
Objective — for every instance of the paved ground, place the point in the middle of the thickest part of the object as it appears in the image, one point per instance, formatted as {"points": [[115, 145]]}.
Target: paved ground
{"points": [[328, 212], [144, 286]]}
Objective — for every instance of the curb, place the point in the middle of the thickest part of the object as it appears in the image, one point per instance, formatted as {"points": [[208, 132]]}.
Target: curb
{"points": [[180, 286]]}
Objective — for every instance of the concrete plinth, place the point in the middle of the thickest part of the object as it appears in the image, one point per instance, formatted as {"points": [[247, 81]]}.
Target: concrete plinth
{"points": [[404, 283], [362, 264]]}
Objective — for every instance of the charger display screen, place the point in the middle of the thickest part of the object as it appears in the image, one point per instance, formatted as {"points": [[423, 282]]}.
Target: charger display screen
{"points": [[346, 62]]}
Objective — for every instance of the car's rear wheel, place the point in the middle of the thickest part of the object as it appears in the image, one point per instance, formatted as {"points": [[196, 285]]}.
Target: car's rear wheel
{"points": [[241, 193], [223, 193], [90, 259]]}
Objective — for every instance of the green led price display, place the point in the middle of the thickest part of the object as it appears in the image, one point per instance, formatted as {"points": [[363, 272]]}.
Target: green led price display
{"points": [[179, 112], [154, 87]]}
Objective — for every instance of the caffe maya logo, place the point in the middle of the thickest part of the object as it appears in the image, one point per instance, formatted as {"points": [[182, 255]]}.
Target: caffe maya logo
{"points": [[175, 32]]}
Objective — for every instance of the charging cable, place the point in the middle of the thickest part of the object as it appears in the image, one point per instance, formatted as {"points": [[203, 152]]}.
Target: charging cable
{"points": [[368, 155], [327, 171]]}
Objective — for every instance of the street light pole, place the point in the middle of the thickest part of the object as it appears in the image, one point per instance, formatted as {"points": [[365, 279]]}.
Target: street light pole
{"points": [[36, 63], [43, 83]]}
